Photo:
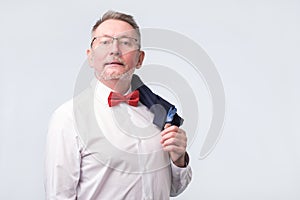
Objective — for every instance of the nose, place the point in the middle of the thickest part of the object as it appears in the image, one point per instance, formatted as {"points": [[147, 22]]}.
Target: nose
{"points": [[115, 49]]}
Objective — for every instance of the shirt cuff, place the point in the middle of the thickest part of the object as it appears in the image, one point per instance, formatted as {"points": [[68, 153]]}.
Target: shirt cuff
{"points": [[178, 172]]}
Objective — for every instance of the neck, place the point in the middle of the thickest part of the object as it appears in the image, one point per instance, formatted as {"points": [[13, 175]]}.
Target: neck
{"points": [[119, 85]]}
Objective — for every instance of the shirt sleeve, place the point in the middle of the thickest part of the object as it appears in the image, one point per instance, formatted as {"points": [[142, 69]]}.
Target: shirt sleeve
{"points": [[62, 159], [181, 177]]}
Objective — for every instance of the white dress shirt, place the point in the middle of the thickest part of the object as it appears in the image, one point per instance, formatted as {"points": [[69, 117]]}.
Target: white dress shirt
{"points": [[97, 152]]}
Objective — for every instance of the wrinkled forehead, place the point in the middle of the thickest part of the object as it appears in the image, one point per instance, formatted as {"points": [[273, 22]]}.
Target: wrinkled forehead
{"points": [[115, 28]]}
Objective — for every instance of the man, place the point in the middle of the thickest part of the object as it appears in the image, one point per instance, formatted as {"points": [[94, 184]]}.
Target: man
{"points": [[100, 145]]}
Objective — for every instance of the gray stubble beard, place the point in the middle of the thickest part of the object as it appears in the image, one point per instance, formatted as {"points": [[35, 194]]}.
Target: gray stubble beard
{"points": [[125, 76]]}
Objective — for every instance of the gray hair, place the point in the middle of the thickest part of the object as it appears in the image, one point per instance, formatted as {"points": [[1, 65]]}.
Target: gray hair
{"points": [[118, 16]]}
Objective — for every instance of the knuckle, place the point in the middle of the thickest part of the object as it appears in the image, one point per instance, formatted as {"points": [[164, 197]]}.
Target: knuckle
{"points": [[172, 140], [171, 148], [174, 134]]}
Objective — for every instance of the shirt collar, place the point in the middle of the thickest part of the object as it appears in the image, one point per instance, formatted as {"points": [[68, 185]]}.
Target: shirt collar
{"points": [[102, 91]]}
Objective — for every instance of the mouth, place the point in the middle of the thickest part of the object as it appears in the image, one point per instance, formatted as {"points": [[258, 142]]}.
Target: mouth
{"points": [[114, 63]]}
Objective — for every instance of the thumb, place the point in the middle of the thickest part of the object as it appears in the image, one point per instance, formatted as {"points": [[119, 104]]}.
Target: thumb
{"points": [[167, 125]]}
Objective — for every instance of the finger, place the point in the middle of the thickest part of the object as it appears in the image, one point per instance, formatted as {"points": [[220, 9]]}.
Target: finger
{"points": [[177, 141], [174, 149], [176, 132], [171, 141], [172, 128], [167, 125], [168, 136]]}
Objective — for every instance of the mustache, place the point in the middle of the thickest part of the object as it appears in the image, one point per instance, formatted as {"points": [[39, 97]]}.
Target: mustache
{"points": [[115, 60]]}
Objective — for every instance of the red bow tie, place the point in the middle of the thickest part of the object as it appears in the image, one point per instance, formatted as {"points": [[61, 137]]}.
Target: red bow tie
{"points": [[116, 98]]}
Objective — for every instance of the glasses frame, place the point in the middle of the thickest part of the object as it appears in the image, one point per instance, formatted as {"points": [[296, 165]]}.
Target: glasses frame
{"points": [[113, 39]]}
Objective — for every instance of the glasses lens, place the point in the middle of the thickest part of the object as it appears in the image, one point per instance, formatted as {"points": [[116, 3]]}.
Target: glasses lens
{"points": [[125, 44]]}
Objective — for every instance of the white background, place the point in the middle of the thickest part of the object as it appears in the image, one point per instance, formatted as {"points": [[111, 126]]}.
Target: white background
{"points": [[254, 44]]}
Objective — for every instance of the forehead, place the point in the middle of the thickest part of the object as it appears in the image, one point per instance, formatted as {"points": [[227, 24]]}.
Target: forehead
{"points": [[114, 27]]}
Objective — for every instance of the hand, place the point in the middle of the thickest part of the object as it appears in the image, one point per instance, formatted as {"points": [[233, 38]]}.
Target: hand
{"points": [[174, 141]]}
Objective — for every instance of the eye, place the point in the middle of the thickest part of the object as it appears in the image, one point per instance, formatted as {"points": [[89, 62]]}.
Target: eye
{"points": [[104, 42], [126, 41]]}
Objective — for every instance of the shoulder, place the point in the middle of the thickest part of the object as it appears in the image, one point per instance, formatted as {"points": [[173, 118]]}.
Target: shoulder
{"points": [[62, 116], [62, 133]]}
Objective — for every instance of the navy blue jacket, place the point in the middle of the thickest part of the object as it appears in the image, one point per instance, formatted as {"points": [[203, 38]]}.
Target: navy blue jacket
{"points": [[157, 105]]}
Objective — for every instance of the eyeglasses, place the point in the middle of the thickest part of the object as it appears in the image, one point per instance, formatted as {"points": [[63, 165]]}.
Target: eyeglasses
{"points": [[125, 43]]}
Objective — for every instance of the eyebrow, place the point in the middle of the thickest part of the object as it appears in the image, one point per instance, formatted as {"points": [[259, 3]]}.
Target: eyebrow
{"points": [[117, 36]]}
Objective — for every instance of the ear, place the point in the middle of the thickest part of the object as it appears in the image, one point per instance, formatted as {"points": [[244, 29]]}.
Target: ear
{"points": [[140, 59], [90, 57]]}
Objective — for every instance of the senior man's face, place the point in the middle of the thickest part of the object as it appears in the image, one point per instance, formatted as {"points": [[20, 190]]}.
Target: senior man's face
{"points": [[114, 51]]}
